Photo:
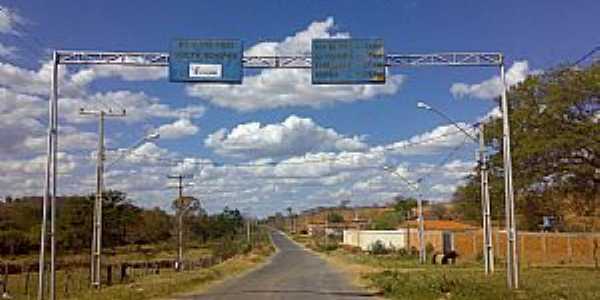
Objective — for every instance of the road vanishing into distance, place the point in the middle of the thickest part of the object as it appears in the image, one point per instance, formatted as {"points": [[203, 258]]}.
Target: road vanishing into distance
{"points": [[293, 273]]}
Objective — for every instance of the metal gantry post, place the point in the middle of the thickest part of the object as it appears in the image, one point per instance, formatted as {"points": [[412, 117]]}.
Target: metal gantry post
{"points": [[488, 253], [180, 228], [512, 259], [49, 193]]}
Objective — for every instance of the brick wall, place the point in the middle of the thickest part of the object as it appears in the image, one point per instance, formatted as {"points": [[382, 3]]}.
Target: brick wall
{"points": [[535, 248]]}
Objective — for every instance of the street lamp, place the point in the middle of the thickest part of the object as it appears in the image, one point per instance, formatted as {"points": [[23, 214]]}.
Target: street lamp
{"points": [[414, 186], [150, 137], [488, 253], [426, 106]]}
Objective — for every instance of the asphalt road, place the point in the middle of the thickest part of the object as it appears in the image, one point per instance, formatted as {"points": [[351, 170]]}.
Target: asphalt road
{"points": [[293, 273]]}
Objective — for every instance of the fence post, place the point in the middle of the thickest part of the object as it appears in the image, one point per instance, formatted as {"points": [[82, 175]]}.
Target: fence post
{"points": [[123, 272], [5, 280], [109, 275], [26, 281], [67, 281]]}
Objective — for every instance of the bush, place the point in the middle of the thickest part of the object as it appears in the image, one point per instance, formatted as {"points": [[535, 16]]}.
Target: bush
{"points": [[378, 248]]}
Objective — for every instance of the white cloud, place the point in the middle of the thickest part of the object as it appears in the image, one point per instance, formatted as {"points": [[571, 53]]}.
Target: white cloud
{"points": [[138, 106], [276, 88], [7, 51], [127, 73], [438, 140], [492, 88], [8, 19], [300, 42], [178, 129], [293, 136], [147, 152]]}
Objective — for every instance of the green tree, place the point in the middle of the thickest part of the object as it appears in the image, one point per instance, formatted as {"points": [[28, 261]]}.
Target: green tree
{"points": [[404, 206], [555, 147], [334, 217], [75, 223]]}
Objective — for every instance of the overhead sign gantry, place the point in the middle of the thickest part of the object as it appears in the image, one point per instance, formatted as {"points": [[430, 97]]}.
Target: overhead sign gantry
{"points": [[333, 61]]}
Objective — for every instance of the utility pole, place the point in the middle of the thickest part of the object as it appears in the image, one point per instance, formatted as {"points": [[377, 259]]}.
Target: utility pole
{"points": [[96, 266], [181, 207], [422, 249], [488, 253], [248, 230], [512, 258]]}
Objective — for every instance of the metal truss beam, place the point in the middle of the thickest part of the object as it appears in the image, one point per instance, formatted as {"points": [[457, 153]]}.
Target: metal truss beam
{"points": [[481, 59]]}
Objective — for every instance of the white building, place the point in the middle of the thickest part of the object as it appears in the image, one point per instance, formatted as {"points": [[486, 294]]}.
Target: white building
{"points": [[391, 239]]}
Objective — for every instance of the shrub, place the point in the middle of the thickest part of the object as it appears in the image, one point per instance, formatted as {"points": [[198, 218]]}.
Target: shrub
{"points": [[378, 248]]}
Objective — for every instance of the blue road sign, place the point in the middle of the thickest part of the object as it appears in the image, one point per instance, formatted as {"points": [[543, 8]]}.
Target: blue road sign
{"points": [[206, 60], [348, 61]]}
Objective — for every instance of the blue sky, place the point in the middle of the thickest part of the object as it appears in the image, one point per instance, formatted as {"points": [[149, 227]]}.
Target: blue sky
{"points": [[363, 128]]}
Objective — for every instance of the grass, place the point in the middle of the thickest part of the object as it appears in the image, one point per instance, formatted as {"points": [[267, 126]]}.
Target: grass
{"points": [[74, 284], [402, 277]]}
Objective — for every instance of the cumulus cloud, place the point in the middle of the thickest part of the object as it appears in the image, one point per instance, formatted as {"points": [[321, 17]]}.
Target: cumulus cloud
{"points": [[492, 88], [127, 73], [178, 129], [138, 106], [8, 19], [276, 88], [7, 51], [440, 139], [293, 136]]}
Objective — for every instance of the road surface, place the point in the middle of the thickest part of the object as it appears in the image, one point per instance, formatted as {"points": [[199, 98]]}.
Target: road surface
{"points": [[293, 273]]}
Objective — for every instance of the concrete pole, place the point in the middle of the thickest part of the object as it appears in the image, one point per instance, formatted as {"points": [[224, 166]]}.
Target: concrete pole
{"points": [[488, 254], [422, 250], [96, 249], [512, 259], [248, 230], [97, 266]]}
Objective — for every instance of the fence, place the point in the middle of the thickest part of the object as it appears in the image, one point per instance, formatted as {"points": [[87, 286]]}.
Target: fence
{"points": [[535, 248], [20, 280]]}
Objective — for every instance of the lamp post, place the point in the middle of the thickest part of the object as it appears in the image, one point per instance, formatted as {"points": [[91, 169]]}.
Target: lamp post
{"points": [[488, 253], [127, 151], [414, 186]]}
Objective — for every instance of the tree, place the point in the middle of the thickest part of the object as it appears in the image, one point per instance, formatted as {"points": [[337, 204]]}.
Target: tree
{"points": [[75, 223], [555, 147], [152, 226], [404, 205], [388, 221], [119, 214], [334, 217]]}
